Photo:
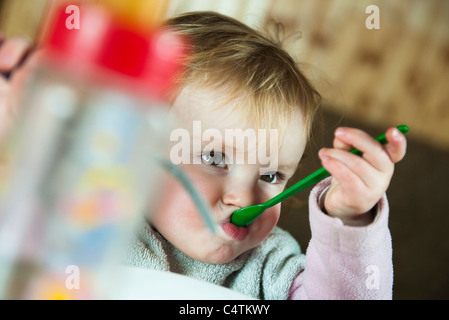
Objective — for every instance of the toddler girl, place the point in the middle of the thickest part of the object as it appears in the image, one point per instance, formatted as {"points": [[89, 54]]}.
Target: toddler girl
{"points": [[241, 82]]}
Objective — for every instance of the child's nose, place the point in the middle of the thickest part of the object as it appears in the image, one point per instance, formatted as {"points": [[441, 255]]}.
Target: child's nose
{"points": [[239, 198], [239, 193]]}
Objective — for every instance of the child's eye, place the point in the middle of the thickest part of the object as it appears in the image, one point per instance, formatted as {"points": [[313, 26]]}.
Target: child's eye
{"points": [[270, 178], [215, 159], [273, 178]]}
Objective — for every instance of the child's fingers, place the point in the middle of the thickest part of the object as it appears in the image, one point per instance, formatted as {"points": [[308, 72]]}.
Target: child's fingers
{"points": [[339, 144], [396, 146], [12, 51], [341, 172], [372, 150], [357, 166]]}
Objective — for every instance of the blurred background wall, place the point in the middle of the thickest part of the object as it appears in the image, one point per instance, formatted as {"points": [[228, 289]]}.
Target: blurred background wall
{"points": [[370, 79]]}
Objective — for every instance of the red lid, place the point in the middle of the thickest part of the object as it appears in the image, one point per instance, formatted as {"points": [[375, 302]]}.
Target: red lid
{"points": [[103, 49]]}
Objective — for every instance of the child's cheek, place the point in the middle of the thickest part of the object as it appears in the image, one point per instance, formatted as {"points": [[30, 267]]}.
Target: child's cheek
{"points": [[266, 222], [208, 185], [273, 216], [176, 200]]}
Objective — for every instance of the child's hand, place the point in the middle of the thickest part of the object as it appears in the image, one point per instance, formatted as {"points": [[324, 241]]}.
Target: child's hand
{"points": [[358, 183], [12, 54]]}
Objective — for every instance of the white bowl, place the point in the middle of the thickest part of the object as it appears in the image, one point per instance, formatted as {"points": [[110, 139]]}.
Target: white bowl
{"points": [[140, 283]]}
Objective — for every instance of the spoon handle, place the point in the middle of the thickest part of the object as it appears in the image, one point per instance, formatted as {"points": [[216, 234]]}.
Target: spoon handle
{"points": [[320, 174]]}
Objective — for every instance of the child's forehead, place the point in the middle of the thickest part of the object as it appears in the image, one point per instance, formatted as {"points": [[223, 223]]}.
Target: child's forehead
{"points": [[216, 106], [201, 109], [212, 106]]}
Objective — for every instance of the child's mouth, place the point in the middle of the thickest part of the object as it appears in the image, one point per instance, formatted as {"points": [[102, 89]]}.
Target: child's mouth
{"points": [[236, 233]]}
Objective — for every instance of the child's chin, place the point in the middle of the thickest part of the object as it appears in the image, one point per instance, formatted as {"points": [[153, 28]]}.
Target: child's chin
{"points": [[219, 257]]}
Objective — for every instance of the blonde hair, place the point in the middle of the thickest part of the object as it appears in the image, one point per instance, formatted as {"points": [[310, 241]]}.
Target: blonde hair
{"points": [[226, 54]]}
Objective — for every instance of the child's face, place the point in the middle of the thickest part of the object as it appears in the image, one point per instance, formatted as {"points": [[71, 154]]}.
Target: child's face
{"points": [[225, 186]]}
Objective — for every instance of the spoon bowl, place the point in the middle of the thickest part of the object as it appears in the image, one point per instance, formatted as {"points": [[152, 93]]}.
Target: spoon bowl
{"points": [[244, 216]]}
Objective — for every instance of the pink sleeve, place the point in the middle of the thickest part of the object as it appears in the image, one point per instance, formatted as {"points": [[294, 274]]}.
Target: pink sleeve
{"points": [[345, 262]]}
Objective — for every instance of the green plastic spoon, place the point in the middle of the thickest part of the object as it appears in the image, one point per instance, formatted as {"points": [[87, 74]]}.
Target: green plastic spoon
{"points": [[247, 215]]}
